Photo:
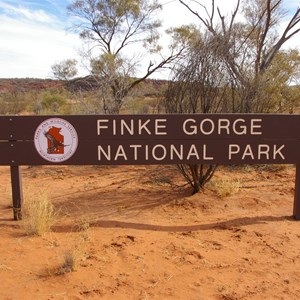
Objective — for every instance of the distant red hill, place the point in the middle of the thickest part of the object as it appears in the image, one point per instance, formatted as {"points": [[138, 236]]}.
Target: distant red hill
{"points": [[150, 87], [28, 84]]}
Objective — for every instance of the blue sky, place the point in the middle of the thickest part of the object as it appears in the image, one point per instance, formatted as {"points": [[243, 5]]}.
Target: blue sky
{"points": [[30, 8], [34, 35]]}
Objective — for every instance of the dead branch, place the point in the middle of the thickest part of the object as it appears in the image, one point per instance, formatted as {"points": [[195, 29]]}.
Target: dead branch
{"points": [[287, 34]]}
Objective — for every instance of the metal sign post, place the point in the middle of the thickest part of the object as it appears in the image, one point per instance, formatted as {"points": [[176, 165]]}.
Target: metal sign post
{"points": [[296, 212], [17, 191]]}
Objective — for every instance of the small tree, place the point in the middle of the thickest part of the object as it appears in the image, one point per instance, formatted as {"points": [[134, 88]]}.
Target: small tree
{"points": [[248, 48], [198, 85], [110, 27], [65, 70]]}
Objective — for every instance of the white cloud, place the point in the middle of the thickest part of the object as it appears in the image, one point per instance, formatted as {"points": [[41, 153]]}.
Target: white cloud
{"points": [[25, 13], [29, 49], [38, 15]]}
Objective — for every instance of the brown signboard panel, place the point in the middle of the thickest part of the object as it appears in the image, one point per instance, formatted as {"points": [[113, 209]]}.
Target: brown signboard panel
{"points": [[150, 139]]}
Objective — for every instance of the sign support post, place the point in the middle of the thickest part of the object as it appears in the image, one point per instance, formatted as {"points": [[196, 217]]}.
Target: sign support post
{"points": [[17, 192], [296, 213]]}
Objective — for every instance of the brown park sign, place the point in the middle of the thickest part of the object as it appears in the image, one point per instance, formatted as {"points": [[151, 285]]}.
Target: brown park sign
{"points": [[148, 139]]}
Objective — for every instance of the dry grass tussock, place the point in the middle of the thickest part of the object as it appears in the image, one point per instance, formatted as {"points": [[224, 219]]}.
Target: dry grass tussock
{"points": [[71, 260], [39, 214], [224, 187]]}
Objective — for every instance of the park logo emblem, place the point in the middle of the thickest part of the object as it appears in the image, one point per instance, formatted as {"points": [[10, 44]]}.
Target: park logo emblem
{"points": [[56, 140]]}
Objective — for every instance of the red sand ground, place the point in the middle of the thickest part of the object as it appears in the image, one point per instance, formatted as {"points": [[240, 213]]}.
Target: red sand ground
{"points": [[138, 235]]}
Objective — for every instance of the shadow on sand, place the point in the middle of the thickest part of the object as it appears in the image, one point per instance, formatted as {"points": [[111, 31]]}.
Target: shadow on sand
{"points": [[222, 225]]}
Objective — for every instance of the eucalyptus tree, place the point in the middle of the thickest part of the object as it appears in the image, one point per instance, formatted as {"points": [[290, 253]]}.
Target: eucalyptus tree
{"points": [[65, 69], [120, 34], [248, 44]]}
